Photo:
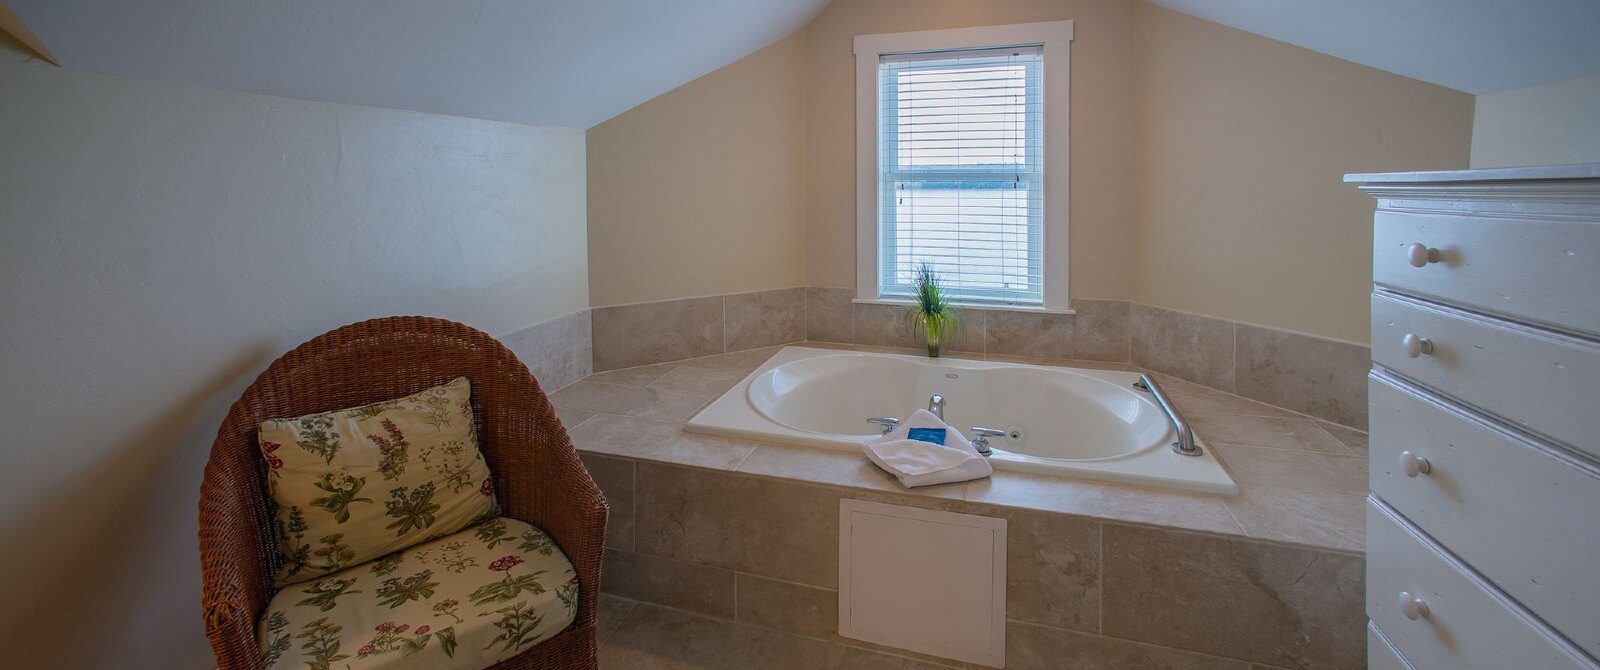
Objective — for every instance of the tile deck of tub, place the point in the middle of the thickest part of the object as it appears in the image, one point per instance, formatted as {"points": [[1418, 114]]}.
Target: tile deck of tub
{"points": [[1301, 480]]}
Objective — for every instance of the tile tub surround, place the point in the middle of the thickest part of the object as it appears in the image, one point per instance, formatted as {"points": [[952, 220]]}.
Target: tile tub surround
{"points": [[1312, 375], [557, 352], [653, 332], [746, 532], [1321, 377], [1098, 331]]}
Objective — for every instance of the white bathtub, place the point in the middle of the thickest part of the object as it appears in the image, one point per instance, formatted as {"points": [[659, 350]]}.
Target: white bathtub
{"points": [[1071, 421]]}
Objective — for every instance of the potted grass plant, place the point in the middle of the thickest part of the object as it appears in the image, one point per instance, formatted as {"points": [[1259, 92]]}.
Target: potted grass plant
{"points": [[932, 314]]}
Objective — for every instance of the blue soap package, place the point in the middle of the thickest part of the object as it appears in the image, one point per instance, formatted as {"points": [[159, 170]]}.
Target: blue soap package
{"points": [[929, 435]]}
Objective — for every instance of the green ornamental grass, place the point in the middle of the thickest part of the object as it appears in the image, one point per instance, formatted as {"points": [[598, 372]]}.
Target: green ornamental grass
{"points": [[932, 314]]}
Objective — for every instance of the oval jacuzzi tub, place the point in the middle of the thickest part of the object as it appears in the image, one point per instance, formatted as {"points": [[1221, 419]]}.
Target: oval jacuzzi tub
{"points": [[1059, 420]]}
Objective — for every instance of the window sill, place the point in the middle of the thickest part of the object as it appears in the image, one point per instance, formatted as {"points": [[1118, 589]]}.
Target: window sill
{"points": [[995, 307]]}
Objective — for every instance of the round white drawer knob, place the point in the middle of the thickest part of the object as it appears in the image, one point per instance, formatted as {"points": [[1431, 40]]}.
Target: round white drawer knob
{"points": [[1416, 346], [1419, 254], [1413, 607], [1414, 465]]}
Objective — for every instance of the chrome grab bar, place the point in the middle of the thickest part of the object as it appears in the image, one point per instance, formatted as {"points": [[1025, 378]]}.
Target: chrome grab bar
{"points": [[1185, 444]]}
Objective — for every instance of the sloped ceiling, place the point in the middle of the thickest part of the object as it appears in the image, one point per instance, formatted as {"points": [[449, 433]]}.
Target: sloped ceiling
{"points": [[1476, 46], [575, 63], [569, 63]]}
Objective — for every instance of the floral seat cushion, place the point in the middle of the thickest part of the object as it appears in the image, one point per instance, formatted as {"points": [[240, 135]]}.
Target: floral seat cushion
{"points": [[466, 600]]}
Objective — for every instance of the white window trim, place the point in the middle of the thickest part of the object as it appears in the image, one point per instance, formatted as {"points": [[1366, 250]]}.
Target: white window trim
{"points": [[1056, 38]]}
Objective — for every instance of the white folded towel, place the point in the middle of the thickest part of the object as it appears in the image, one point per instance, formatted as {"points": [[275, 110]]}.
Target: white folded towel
{"points": [[919, 463]]}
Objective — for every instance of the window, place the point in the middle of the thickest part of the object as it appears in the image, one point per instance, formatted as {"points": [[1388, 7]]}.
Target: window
{"points": [[953, 166], [960, 175]]}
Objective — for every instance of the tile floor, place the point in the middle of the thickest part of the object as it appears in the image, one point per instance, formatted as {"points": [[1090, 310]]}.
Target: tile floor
{"points": [[641, 636]]}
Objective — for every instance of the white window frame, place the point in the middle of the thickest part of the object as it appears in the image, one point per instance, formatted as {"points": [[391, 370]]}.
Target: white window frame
{"points": [[1056, 39]]}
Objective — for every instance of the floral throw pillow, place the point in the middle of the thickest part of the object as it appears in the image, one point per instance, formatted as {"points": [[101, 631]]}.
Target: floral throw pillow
{"points": [[356, 484]]}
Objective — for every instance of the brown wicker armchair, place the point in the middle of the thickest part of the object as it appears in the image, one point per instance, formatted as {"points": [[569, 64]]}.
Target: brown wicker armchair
{"points": [[538, 478]]}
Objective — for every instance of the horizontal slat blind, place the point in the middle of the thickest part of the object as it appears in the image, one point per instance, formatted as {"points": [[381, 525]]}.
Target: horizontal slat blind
{"points": [[961, 148]]}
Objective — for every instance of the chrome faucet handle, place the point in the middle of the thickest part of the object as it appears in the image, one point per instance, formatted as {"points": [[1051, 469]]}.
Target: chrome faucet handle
{"points": [[936, 406], [889, 423], [980, 438]]}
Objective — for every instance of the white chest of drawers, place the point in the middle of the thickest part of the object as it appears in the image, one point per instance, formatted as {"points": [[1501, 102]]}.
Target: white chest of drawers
{"points": [[1483, 539]]}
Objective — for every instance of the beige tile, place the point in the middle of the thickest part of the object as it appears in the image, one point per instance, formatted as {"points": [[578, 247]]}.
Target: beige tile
{"points": [[1133, 504], [1064, 362], [1324, 378], [823, 466], [834, 346], [1192, 397], [658, 638], [653, 332], [787, 606], [557, 352], [1236, 598], [870, 348], [1295, 470], [570, 418], [614, 476], [1257, 431], [765, 527], [638, 376], [663, 581], [1317, 519], [1352, 439], [969, 332], [944, 497], [743, 362], [1099, 331], [1053, 570], [829, 314], [765, 318], [1030, 647], [809, 611], [649, 403], [664, 441], [884, 325], [700, 380], [1193, 347], [613, 611], [862, 659]]}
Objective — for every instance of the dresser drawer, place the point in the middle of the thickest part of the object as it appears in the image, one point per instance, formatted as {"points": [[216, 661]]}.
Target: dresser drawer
{"points": [[1467, 624], [1536, 378], [1380, 655], [1546, 269], [1521, 514]]}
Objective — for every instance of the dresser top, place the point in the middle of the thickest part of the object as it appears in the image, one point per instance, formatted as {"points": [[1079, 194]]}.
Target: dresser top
{"points": [[1575, 171]]}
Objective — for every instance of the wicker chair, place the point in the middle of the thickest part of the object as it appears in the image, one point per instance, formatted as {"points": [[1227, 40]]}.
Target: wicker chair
{"points": [[537, 475]]}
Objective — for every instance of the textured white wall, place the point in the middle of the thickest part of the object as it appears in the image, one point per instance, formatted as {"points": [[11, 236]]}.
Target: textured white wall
{"points": [[160, 245], [1549, 124]]}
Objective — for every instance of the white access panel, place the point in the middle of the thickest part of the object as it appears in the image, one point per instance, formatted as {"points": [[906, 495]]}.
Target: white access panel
{"points": [[923, 580]]}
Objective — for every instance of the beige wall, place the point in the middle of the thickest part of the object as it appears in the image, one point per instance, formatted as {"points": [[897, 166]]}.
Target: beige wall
{"points": [[1549, 124], [701, 191], [1206, 165], [1102, 127], [1242, 142], [161, 244]]}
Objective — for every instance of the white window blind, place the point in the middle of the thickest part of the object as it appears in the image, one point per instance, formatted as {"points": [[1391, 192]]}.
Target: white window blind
{"points": [[961, 170]]}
